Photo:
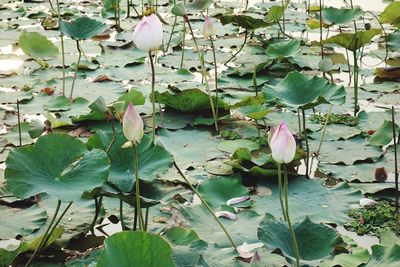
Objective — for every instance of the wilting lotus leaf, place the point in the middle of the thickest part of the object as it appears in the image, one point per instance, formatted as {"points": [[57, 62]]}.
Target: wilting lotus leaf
{"points": [[305, 92], [353, 41], [391, 14], [310, 198], [57, 164], [15, 222], [82, 28], [139, 248], [315, 241], [218, 191], [340, 15], [283, 49], [153, 159], [245, 21], [37, 45]]}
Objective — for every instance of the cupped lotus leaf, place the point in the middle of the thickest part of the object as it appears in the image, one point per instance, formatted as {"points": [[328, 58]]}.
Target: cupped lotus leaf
{"points": [[353, 41], [82, 28], [57, 164], [391, 14], [384, 134], [385, 256], [302, 91], [275, 13], [127, 248], [283, 49], [37, 45], [339, 16], [315, 241], [245, 21], [310, 198], [218, 191], [14, 222], [153, 159]]}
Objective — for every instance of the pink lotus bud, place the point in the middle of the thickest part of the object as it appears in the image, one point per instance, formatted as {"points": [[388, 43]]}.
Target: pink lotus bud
{"points": [[148, 34], [283, 145], [208, 28], [132, 125]]}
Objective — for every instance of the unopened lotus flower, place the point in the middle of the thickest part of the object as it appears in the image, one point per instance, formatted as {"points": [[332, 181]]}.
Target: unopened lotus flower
{"points": [[132, 125], [148, 34], [208, 28], [283, 145]]}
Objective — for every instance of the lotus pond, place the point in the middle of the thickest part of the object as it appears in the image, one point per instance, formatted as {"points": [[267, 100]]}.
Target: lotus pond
{"points": [[211, 182]]}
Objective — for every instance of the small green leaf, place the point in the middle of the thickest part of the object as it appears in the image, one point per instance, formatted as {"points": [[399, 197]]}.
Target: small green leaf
{"points": [[353, 41], [384, 134], [37, 45], [391, 14], [82, 28]]}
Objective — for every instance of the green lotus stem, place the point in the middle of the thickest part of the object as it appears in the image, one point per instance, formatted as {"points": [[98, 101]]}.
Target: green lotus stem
{"points": [[384, 34], [37, 250], [320, 29], [170, 36], [292, 234], [283, 17], [146, 220], [153, 99], [204, 74], [121, 214], [98, 203], [138, 207], [355, 82], [142, 8], [205, 205], [76, 68], [306, 141], [255, 86], [135, 220], [114, 133], [183, 44], [19, 124], [215, 75], [128, 7], [55, 224], [396, 173], [62, 47], [324, 130], [280, 189], [240, 49]]}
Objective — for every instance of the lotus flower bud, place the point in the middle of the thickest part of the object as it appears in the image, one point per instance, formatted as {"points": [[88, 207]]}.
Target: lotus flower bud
{"points": [[283, 145], [132, 125], [208, 28], [148, 34]]}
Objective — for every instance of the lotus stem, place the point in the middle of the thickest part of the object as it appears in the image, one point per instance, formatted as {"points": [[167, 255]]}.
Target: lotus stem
{"points": [[114, 133], [280, 189], [128, 8], [204, 74], [306, 141], [146, 220], [215, 75], [153, 99], [98, 202], [320, 29], [19, 124], [121, 214], [240, 49], [283, 17], [62, 47], [37, 250], [170, 36], [137, 187], [293, 236], [396, 173], [76, 68], [135, 219], [355, 82], [324, 129], [183, 44], [205, 205]]}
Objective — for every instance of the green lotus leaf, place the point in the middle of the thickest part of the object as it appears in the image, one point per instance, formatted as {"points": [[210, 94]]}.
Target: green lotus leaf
{"points": [[283, 49], [353, 41], [339, 16], [125, 249], [153, 159], [82, 28], [301, 91], [37, 45], [275, 14], [391, 14], [14, 222], [384, 134], [315, 241], [384, 256], [57, 164]]}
